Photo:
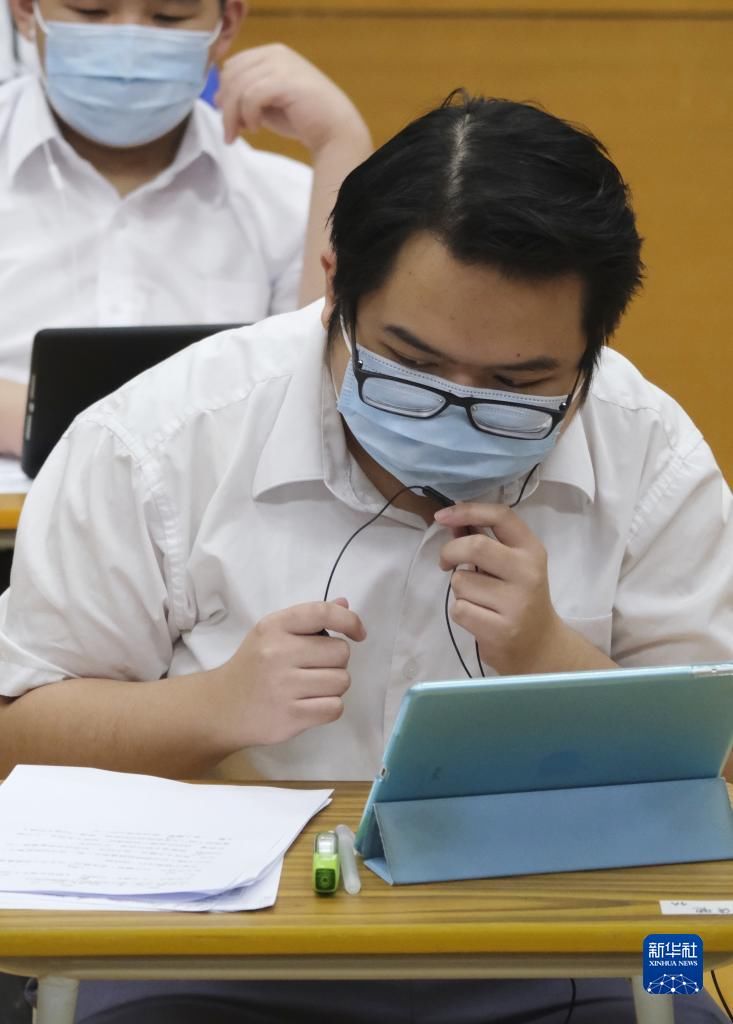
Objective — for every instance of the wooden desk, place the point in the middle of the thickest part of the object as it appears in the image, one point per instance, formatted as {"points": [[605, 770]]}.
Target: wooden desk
{"points": [[565, 925], [10, 506]]}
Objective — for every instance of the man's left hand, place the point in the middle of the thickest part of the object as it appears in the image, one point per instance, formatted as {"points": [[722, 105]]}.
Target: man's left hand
{"points": [[506, 604], [274, 87]]}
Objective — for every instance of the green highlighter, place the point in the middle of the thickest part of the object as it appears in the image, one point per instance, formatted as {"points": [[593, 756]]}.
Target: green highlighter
{"points": [[326, 862]]}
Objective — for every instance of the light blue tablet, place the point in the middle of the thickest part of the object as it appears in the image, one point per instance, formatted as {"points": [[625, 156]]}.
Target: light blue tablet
{"points": [[551, 732]]}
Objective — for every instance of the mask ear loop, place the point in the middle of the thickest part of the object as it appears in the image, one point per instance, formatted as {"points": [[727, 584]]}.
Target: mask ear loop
{"points": [[39, 19]]}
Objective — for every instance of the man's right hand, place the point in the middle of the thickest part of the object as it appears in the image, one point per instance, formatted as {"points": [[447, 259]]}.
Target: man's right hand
{"points": [[285, 677]]}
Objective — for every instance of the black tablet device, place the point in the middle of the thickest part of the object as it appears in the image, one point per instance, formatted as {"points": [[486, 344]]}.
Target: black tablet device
{"points": [[73, 367]]}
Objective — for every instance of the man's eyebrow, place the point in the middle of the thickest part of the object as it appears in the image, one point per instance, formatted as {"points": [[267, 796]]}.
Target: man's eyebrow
{"points": [[404, 335], [538, 363]]}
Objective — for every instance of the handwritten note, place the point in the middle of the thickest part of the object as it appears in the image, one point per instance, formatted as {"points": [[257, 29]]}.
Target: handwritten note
{"points": [[696, 907], [82, 832], [58, 859], [257, 896]]}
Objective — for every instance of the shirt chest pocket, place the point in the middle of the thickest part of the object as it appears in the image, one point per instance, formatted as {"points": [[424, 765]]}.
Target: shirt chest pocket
{"points": [[597, 630]]}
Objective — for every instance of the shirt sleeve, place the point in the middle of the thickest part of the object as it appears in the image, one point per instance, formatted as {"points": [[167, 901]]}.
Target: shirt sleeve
{"points": [[89, 584], [289, 267], [674, 602], [286, 286]]}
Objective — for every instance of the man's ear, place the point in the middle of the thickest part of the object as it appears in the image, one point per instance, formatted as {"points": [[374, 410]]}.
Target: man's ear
{"points": [[233, 14], [328, 262], [25, 22]]}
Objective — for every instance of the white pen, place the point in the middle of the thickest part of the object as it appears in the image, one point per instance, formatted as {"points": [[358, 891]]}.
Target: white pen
{"points": [[347, 856]]}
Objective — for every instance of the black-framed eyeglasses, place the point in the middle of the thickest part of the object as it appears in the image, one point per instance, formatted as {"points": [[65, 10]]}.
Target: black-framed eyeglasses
{"points": [[520, 420]]}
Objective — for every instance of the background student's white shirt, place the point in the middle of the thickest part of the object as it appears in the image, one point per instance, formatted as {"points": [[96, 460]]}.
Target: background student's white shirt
{"points": [[7, 50], [216, 238], [218, 488]]}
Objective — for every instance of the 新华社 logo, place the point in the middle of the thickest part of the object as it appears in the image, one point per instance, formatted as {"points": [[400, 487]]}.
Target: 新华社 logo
{"points": [[672, 965]]}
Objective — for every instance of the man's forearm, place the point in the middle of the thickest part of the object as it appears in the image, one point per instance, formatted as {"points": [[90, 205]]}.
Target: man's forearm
{"points": [[157, 728], [331, 164], [12, 411]]}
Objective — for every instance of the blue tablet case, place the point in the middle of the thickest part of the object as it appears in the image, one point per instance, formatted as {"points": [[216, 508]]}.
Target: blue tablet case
{"points": [[568, 772]]}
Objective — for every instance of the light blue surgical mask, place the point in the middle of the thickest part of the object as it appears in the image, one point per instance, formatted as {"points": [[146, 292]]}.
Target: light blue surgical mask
{"points": [[123, 85], [445, 450]]}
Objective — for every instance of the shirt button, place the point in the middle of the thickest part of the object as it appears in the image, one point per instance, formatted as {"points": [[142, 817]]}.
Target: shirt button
{"points": [[410, 670]]}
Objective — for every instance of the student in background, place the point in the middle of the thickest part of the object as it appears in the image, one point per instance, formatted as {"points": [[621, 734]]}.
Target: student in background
{"points": [[124, 200], [166, 609], [18, 55], [7, 43]]}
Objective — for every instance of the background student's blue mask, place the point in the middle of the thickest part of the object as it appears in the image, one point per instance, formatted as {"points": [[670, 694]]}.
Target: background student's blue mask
{"points": [[446, 451], [123, 85]]}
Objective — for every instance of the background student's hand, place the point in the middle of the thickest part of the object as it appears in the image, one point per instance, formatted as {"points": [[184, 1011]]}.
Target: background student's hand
{"points": [[274, 87], [285, 678], [12, 414], [506, 605]]}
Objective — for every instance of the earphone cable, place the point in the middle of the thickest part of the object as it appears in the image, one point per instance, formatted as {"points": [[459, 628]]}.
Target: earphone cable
{"points": [[721, 996], [479, 662], [571, 1005], [450, 629], [411, 487], [428, 492]]}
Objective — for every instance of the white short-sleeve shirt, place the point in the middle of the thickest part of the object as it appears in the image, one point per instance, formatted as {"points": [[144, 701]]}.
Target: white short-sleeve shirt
{"points": [[215, 238], [7, 57], [218, 487]]}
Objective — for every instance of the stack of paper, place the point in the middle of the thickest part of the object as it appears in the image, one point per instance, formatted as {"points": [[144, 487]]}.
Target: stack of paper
{"points": [[96, 840], [12, 478]]}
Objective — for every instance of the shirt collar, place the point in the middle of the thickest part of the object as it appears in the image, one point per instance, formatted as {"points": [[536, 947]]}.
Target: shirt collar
{"points": [[31, 127], [34, 126], [570, 461], [203, 140], [293, 451], [307, 441]]}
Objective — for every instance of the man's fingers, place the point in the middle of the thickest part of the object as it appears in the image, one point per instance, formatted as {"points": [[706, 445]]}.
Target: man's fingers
{"points": [[480, 622], [239, 113], [502, 521], [484, 591], [322, 652], [229, 106], [317, 711], [309, 619], [487, 554], [256, 56], [321, 682]]}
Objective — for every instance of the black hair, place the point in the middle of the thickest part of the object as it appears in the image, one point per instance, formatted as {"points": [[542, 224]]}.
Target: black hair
{"points": [[498, 183]]}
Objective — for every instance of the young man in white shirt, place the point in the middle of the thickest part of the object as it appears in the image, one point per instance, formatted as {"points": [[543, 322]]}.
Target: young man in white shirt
{"points": [[131, 202], [169, 582]]}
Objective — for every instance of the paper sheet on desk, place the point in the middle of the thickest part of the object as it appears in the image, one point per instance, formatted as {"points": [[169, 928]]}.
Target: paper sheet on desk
{"points": [[86, 832], [257, 896], [12, 478]]}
